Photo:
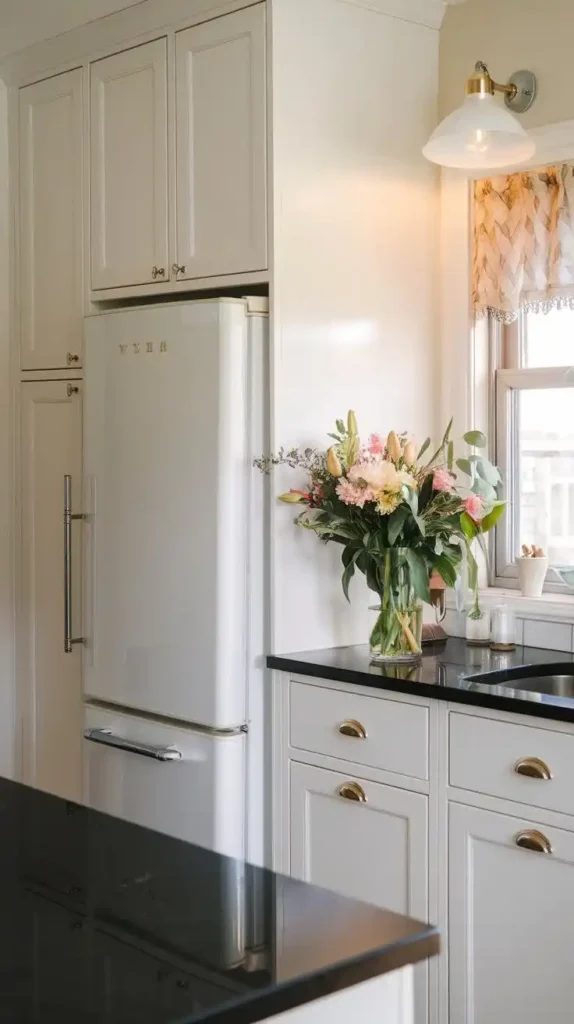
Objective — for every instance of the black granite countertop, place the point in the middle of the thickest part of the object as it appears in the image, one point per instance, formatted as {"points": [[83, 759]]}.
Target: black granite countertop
{"points": [[104, 921], [446, 671]]}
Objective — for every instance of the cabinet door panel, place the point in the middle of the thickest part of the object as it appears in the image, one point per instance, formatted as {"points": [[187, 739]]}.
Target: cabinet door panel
{"points": [[374, 851], [50, 222], [511, 914], [221, 145], [50, 680], [129, 167]]}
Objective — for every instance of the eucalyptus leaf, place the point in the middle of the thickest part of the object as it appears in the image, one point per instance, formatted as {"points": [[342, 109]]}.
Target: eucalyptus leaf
{"points": [[465, 466], [419, 574], [483, 489], [475, 438], [488, 472]]}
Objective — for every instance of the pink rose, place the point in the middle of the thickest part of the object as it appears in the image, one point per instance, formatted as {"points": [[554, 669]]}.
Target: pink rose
{"points": [[443, 481], [474, 506]]}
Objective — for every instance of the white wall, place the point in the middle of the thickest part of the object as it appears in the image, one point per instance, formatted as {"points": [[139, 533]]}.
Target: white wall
{"points": [[508, 35], [7, 704], [354, 275], [23, 22]]}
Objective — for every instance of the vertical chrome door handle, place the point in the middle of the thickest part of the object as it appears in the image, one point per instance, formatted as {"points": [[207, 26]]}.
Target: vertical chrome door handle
{"points": [[69, 639]]}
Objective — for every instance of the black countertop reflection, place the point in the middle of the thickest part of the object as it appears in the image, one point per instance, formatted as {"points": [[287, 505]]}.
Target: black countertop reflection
{"points": [[443, 672], [104, 921]]}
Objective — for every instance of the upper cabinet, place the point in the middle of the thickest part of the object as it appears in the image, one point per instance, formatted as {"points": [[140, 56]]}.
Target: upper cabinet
{"points": [[51, 259], [129, 176], [221, 146]]}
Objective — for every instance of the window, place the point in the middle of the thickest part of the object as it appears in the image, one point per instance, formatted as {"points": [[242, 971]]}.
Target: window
{"points": [[535, 440]]}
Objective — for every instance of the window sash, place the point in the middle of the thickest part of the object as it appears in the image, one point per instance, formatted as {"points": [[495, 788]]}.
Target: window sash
{"points": [[509, 384]]}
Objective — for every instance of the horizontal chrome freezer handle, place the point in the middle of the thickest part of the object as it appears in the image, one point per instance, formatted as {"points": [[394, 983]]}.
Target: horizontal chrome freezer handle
{"points": [[107, 738]]}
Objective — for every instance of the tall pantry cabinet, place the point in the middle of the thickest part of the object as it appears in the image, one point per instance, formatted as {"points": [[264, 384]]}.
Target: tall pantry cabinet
{"points": [[50, 305]]}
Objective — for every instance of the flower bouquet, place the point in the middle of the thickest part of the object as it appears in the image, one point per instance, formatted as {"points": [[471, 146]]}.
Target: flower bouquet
{"points": [[399, 519]]}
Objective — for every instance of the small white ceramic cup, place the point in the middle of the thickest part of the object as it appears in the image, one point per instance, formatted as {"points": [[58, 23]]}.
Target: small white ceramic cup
{"points": [[531, 575]]}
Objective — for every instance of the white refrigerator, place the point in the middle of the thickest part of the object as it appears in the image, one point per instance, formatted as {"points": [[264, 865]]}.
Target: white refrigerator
{"points": [[173, 574]]}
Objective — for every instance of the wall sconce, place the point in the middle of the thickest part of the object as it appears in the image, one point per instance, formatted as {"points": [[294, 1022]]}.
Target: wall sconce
{"points": [[481, 133]]}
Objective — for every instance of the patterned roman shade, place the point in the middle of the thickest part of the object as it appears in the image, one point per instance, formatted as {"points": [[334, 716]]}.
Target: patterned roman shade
{"points": [[523, 242]]}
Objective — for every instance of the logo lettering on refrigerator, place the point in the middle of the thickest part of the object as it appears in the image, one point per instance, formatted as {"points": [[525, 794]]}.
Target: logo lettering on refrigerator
{"points": [[137, 348]]}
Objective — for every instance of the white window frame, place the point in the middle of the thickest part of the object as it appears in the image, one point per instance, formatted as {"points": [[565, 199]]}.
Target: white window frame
{"points": [[509, 385], [468, 357]]}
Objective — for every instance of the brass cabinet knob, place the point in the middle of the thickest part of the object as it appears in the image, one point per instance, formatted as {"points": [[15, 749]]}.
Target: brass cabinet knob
{"points": [[534, 767], [178, 268], [353, 728], [531, 839], [71, 358], [353, 791], [72, 389], [158, 272]]}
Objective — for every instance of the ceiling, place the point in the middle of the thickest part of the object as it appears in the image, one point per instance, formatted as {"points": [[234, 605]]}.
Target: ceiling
{"points": [[23, 22]]}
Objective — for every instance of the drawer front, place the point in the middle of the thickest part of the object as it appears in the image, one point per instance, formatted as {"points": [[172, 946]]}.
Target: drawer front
{"points": [[489, 757], [371, 731]]}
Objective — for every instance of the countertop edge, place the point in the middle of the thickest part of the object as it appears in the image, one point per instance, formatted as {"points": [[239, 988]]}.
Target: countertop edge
{"points": [[288, 995], [514, 705]]}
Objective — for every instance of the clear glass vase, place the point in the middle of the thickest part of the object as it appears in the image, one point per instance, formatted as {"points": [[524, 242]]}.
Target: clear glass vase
{"points": [[396, 635]]}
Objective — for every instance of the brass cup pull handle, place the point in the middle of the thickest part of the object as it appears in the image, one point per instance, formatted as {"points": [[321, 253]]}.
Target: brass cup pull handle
{"points": [[353, 728], [534, 767], [531, 839], [353, 791]]}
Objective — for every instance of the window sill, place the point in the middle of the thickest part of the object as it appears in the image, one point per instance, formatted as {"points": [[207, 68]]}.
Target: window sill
{"points": [[554, 607]]}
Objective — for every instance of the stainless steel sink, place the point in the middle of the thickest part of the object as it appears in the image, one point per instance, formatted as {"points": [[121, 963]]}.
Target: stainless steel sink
{"points": [[561, 685], [550, 680]]}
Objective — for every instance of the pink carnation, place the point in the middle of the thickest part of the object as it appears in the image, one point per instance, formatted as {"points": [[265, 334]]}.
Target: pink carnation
{"points": [[475, 507], [376, 444], [443, 481], [351, 494]]}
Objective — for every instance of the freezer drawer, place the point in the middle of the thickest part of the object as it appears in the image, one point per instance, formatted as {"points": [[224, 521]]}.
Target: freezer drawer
{"points": [[181, 782]]}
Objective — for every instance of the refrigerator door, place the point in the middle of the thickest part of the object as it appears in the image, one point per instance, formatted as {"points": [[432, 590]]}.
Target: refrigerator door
{"points": [[181, 782], [169, 484], [185, 785]]}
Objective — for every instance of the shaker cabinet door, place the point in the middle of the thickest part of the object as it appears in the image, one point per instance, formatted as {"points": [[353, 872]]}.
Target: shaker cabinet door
{"points": [[50, 238], [511, 919], [50, 681], [129, 207], [370, 845], [221, 146]]}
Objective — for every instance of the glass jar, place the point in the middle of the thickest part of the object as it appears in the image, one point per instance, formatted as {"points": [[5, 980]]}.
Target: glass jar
{"points": [[477, 630], [503, 629], [397, 633]]}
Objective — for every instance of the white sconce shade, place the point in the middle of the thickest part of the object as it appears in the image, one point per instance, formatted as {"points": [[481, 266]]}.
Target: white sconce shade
{"points": [[479, 135]]}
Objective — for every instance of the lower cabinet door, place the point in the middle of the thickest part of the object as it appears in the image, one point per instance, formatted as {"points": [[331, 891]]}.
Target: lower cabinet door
{"points": [[511, 913], [364, 840]]}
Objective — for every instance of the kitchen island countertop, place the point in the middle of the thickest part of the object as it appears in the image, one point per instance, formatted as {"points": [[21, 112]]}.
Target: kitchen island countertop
{"points": [[105, 921]]}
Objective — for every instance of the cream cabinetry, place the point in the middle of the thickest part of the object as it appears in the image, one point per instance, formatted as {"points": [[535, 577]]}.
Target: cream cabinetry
{"points": [[511, 919], [221, 146], [50, 223], [457, 814], [129, 177], [49, 679]]}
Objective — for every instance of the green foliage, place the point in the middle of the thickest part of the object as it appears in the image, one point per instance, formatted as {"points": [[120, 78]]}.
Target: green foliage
{"points": [[465, 467], [475, 438], [469, 527], [492, 517]]}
